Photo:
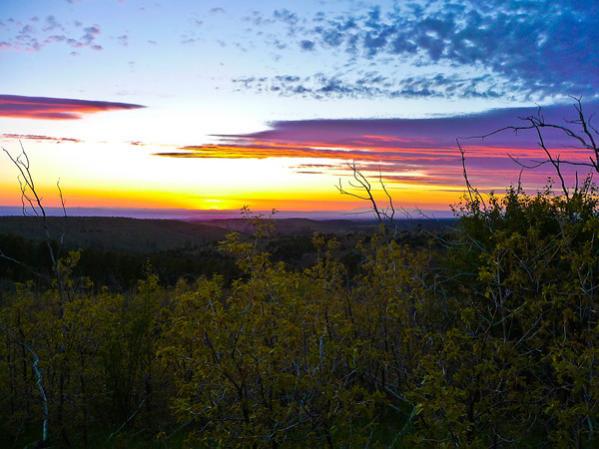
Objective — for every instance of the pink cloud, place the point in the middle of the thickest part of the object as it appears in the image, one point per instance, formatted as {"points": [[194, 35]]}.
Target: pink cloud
{"points": [[43, 108], [422, 151]]}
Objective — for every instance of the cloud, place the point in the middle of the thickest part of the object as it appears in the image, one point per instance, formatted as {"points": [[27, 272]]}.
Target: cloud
{"points": [[402, 150], [35, 34], [123, 39], [40, 138], [286, 16], [375, 85], [307, 45], [508, 49], [16, 106]]}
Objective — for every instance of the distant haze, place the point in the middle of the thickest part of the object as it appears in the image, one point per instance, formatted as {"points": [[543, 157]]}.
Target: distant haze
{"points": [[204, 215]]}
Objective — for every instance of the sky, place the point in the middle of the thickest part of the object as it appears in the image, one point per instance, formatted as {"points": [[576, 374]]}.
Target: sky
{"points": [[207, 106]]}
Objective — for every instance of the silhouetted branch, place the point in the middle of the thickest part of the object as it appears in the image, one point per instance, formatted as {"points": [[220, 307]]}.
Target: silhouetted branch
{"points": [[389, 197], [361, 183], [27, 186], [64, 212], [537, 164], [473, 193], [584, 137], [554, 161]]}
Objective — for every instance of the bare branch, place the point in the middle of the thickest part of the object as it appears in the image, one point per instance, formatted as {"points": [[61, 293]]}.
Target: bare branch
{"points": [[473, 193], [64, 211], [583, 137], [389, 197], [360, 182], [537, 164], [22, 163], [554, 161], [365, 186]]}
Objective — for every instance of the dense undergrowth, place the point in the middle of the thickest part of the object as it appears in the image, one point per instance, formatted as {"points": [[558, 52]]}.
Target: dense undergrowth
{"points": [[483, 338]]}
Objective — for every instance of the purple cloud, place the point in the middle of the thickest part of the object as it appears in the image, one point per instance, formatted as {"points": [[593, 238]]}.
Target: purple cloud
{"points": [[17, 106], [422, 150]]}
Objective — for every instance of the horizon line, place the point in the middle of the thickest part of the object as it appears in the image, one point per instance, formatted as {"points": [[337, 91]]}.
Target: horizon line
{"points": [[216, 214]]}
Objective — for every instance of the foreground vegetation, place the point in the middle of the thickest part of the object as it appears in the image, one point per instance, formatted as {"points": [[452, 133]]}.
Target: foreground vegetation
{"points": [[486, 337]]}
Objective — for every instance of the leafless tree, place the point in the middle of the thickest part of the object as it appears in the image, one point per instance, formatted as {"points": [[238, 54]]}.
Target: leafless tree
{"points": [[580, 130], [363, 190], [473, 193], [32, 205]]}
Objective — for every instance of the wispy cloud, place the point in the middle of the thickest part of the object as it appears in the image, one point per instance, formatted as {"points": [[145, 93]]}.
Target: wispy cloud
{"points": [[43, 108], [40, 138], [37, 33], [375, 85]]}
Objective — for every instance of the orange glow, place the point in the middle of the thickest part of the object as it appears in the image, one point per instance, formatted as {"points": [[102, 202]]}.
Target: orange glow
{"points": [[295, 166], [325, 198]]}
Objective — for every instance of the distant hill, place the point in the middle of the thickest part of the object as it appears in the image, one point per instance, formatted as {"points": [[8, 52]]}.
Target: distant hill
{"points": [[122, 234], [295, 226], [152, 235]]}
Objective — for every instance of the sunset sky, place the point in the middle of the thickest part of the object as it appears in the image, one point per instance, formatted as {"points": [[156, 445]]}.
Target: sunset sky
{"points": [[210, 106]]}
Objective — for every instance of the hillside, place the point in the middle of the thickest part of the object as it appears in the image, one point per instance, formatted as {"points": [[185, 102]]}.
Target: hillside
{"points": [[152, 235], [299, 226], [122, 234]]}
